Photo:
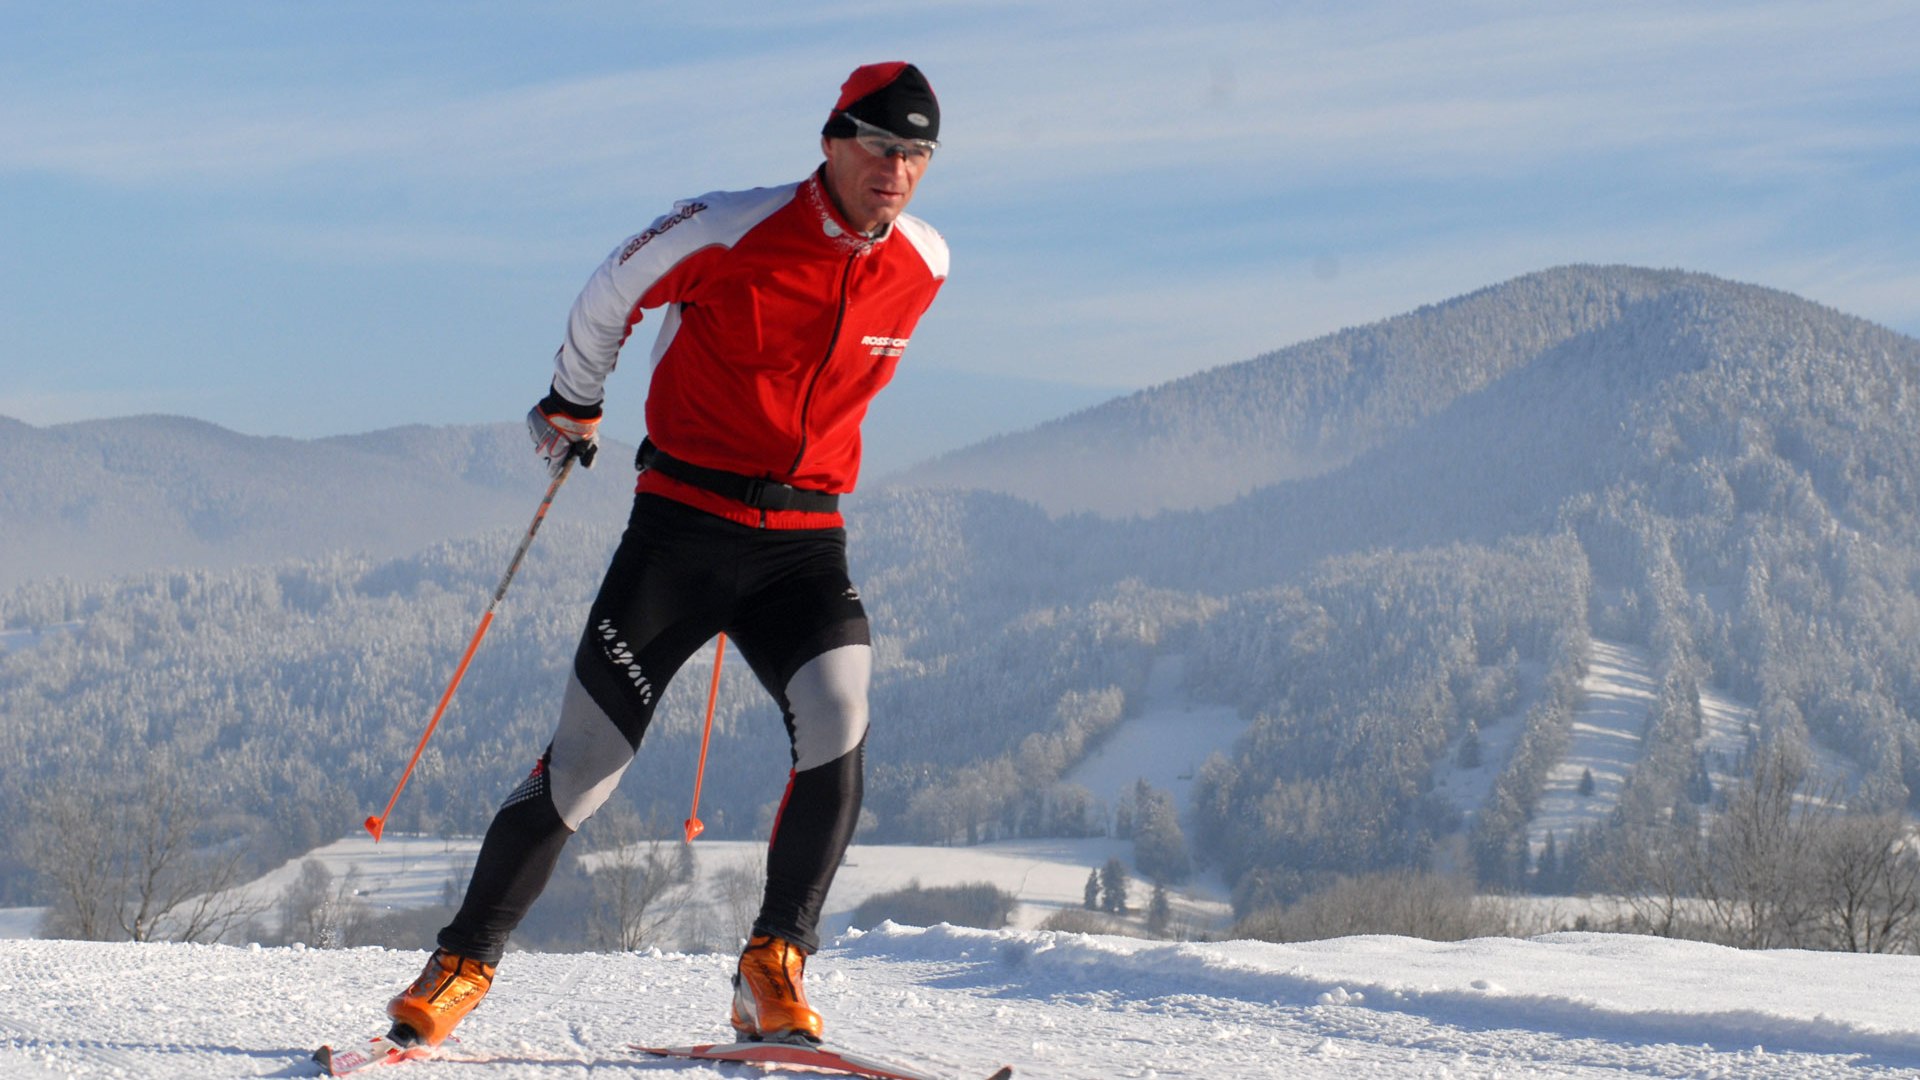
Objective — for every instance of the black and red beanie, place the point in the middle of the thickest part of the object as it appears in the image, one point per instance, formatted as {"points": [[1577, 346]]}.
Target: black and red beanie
{"points": [[893, 96]]}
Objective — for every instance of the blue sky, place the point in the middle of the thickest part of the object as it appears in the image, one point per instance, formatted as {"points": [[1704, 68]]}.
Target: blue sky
{"points": [[323, 218]]}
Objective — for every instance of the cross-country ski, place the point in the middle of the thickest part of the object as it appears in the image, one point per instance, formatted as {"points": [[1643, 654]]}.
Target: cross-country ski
{"points": [[821, 1057]]}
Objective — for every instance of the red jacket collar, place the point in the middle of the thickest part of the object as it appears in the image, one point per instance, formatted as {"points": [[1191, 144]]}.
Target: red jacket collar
{"points": [[832, 221]]}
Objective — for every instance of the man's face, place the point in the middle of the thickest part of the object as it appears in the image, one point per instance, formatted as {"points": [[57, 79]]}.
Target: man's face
{"points": [[870, 189]]}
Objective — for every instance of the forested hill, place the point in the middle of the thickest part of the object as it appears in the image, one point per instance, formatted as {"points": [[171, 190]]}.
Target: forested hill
{"points": [[1726, 475], [103, 498], [1714, 404], [1306, 410], [1455, 503]]}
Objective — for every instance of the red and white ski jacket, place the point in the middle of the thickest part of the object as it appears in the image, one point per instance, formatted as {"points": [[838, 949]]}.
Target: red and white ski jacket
{"points": [[781, 325]]}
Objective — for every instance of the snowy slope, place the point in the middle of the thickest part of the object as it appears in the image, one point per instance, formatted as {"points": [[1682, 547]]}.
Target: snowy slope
{"points": [[1058, 1006], [1615, 697], [20, 922], [1165, 744], [24, 638], [407, 872]]}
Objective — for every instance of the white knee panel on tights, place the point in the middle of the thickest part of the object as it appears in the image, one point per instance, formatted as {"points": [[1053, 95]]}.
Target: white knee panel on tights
{"points": [[828, 699]]}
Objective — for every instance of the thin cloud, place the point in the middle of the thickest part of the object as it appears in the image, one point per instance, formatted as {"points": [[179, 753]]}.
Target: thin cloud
{"points": [[1481, 90], [1488, 91], [1859, 280], [1132, 191], [1139, 333]]}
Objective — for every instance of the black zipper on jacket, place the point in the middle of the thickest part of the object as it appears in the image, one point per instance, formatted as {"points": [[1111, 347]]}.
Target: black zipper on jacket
{"points": [[839, 319]]}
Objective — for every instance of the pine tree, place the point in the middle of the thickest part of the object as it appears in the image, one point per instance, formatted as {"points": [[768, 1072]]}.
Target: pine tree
{"points": [[1113, 887], [1471, 755], [1700, 782], [1159, 846], [1546, 872], [1159, 910]]}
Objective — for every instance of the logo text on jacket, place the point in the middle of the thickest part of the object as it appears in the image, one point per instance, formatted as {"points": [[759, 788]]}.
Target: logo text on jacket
{"points": [[661, 226], [884, 346]]}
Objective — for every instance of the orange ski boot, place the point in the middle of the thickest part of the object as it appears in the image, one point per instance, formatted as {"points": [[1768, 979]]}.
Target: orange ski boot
{"points": [[439, 999], [768, 1003]]}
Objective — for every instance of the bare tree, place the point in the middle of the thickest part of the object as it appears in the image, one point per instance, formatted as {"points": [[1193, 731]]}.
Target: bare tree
{"points": [[1762, 858], [68, 843], [1780, 867], [1657, 871], [636, 890], [139, 861], [742, 885], [1405, 902], [1870, 882], [323, 912]]}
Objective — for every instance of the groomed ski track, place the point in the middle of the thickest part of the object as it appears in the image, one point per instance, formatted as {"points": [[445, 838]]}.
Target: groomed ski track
{"points": [[1055, 1006]]}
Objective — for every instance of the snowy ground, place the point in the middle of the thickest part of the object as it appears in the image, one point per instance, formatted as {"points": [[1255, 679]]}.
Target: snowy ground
{"points": [[1165, 744], [1047, 876], [1058, 1006], [400, 872], [1615, 698], [1726, 724], [1724, 739], [20, 922], [24, 638], [1469, 787], [408, 872]]}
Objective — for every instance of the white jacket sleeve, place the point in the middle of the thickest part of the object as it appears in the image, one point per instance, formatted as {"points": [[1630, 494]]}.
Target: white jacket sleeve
{"points": [[647, 270]]}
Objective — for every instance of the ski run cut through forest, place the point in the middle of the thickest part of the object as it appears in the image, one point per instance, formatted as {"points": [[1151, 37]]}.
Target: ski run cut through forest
{"points": [[961, 1003]]}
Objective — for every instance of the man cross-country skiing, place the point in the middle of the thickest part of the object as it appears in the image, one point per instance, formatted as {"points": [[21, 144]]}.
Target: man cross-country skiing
{"points": [[785, 311]]}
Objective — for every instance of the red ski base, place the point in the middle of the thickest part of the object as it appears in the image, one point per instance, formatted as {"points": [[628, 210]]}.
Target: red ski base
{"points": [[825, 1058]]}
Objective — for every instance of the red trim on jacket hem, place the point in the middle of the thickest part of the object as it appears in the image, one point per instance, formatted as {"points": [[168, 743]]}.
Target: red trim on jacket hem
{"points": [[653, 483]]}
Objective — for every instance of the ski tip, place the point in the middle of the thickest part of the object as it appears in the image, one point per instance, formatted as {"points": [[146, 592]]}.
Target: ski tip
{"points": [[1005, 1073]]}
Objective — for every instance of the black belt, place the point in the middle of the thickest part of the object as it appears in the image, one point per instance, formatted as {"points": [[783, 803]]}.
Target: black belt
{"points": [[757, 492]]}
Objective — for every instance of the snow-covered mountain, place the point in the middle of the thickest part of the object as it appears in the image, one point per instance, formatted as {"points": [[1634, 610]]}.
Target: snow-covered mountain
{"points": [[1544, 373], [962, 1002], [106, 498]]}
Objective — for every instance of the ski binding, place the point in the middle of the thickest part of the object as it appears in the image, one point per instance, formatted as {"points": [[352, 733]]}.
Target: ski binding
{"points": [[379, 1050]]}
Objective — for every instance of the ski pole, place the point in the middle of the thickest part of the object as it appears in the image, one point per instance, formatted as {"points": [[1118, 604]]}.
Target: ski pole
{"points": [[694, 825], [378, 823]]}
